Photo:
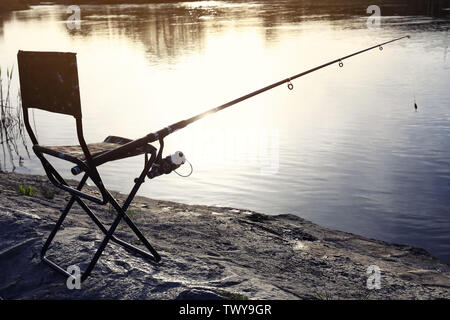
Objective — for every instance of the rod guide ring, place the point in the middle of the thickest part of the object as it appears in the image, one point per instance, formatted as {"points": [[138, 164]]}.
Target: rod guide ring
{"points": [[290, 85]]}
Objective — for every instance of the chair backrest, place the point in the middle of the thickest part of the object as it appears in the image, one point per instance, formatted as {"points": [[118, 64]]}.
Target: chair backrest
{"points": [[49, 81]]}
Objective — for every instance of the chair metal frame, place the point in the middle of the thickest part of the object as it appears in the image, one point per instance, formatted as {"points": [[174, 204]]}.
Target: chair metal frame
{"points": [[44, 80]]}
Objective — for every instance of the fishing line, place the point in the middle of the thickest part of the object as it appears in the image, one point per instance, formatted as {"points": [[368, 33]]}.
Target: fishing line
{"points": [[414, 85], [446, 40], [34, 124], [185, 176]]}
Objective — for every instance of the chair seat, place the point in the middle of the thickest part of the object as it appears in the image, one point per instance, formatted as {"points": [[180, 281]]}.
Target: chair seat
{"points": [[110, 143]]}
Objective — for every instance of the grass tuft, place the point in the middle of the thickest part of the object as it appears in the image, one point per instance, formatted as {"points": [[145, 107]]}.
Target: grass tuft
{"points": [[232, 295], [131, 213], [27, 190]]}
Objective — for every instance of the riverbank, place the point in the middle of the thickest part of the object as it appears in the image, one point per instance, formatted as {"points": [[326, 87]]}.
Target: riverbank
{"points": [[388, 7], [11, 5], [207, 252]]}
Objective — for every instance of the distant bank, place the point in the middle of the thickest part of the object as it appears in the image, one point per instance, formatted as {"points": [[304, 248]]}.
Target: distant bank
{"points": [[388, 7], [10, 5]]}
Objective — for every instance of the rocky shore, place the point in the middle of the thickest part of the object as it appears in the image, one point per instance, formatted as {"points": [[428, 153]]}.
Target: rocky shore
{"points": [[207, 253]]}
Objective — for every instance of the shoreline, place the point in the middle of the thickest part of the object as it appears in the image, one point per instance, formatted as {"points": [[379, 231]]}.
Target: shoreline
{"points": [[392, 7], [207, 253], [14, 5]]}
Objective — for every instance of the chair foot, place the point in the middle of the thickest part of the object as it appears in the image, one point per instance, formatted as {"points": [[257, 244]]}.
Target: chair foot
{"points": [[154, 257], [55, 267]]}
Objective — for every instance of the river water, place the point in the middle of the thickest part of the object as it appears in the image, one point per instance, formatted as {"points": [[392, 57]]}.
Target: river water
{"points": [[345, 148]]}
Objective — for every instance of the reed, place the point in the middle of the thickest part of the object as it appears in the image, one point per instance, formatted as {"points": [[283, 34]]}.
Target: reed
{"points": [[12, 133]]}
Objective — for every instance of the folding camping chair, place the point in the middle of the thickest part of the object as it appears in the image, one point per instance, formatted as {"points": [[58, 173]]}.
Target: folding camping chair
{"points": [[49, 81]]}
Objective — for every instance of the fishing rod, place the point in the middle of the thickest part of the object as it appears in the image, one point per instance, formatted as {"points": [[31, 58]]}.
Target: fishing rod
{"points": [[161, 134]]}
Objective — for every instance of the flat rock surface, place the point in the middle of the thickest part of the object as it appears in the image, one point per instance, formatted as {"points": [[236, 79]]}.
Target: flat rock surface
{"points": [[207, 253]]}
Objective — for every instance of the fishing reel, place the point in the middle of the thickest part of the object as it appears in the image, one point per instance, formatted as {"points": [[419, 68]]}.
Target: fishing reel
{"points": [[167, 165]]}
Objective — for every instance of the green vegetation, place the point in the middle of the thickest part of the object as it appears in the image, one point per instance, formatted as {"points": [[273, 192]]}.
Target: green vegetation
{"points": [[232, 295], [27, 190], [12, 131], [322, 296], [30, 191], [131, 213]]}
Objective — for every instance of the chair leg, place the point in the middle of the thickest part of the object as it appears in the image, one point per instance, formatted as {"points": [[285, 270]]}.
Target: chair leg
{"points": [[50, 239], [99, 251], [109, 236], [56, 228], [154, 256]]}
